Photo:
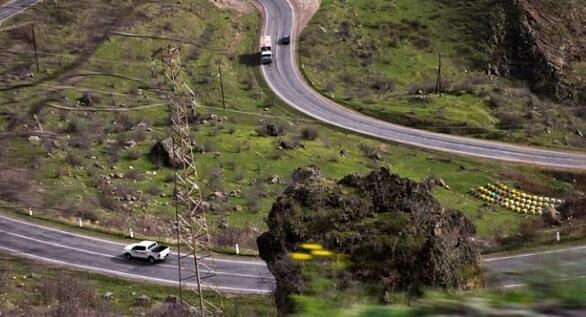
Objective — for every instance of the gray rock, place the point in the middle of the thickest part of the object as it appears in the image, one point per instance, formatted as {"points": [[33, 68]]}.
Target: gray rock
{"points": [[217, 196], [34, 139], [442, 183], [143, 300], [274, 179], [108, 295]]}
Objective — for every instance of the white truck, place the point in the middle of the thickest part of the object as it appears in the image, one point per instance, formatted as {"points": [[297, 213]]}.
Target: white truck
{"points": [[148, 250], [266, 52]]}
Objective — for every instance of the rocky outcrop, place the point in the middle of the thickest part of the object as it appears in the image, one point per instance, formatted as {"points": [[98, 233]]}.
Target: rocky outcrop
{"points": [[396, 234], [538, 41], [574, 208]]}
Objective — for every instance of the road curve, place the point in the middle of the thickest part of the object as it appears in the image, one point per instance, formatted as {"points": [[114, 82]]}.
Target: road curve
{"points": [[104, 256], [284, 78]]}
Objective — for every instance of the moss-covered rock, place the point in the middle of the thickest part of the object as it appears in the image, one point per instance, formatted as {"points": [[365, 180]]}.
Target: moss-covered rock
{"points": [[396, 234]]}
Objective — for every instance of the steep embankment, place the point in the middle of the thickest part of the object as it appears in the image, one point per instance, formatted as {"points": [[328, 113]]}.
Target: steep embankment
{"points": [[397, 236], [511, 70], [542, 42]]}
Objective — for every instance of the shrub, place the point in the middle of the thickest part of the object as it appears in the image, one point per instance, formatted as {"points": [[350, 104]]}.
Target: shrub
{"points": [[154, 190], [139, 135], [348, 78], [169, 178], [108, 202], [132, 155], [510, 121], [134, 174], [83, 140], [422, 88], [496, 101], [309, 133], [272, 129], [369, 151], [73, 159], [67, 297], [124, 122], [581, 111], [76, 125], [215, 179], [381, 84]]}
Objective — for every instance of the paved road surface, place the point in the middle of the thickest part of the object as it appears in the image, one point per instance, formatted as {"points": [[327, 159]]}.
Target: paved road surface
{"points": [[103, 256], [15, 6], [285, 80], [555, 265], [236, 275]]}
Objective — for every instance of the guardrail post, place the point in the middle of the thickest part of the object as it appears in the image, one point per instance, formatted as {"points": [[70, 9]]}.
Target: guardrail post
{"points": [[131, 233], [80, 222], [30, 212], [237, 249], [557, 236]]}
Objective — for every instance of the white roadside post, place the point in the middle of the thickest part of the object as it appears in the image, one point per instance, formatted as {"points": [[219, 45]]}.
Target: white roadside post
{"points": [[80, 222], [557, 236], [30, 212], [237, 249], [131, 233]]}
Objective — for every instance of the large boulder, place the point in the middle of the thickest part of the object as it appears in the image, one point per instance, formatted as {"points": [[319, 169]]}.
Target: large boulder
{"points": [[396, 234], [164, 154]]}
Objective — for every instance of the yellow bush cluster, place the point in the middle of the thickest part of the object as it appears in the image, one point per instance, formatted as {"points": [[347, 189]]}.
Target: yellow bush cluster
{"points": [[514, 199]]}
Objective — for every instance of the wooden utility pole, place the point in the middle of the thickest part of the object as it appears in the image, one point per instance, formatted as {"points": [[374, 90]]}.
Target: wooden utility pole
{"points": [[222, 87], [438, 83], [35, 47]]}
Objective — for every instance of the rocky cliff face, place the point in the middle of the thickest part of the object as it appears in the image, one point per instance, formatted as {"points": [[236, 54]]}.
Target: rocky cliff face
{"points": [[539, 41], [397, 236]]}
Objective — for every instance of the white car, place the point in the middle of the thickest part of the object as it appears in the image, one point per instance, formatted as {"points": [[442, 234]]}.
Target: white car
{"points": [[148, 250]]}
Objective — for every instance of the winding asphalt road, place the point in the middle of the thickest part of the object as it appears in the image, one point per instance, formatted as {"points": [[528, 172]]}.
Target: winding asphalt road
{"points": [[285, 80], [76, 251], [104, 256], [238, 276]]}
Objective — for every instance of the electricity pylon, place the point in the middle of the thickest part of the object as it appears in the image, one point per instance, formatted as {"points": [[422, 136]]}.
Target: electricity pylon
{"points": [[190, 221]]}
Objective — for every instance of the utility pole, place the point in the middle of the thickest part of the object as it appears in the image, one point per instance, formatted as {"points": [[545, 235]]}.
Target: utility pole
{"points": [[438, 83], [222, 87], [190, 220], [35, 47], [34, 38]]}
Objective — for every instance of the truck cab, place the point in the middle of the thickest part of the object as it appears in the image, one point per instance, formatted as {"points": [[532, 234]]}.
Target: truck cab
{"points": [[266, 52]]}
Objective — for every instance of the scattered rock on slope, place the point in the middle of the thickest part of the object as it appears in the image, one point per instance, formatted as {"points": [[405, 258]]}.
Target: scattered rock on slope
{"points": [[395, 232]]}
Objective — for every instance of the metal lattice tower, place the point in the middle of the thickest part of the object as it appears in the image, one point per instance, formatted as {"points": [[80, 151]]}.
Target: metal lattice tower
{"points": [[196, 266]]}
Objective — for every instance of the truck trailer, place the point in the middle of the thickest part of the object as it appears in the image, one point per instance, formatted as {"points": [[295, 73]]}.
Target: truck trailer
{"points": [[266, 51]]}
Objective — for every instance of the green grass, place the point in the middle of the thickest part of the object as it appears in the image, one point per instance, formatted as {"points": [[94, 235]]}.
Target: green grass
{"points": [[245, 159], [353, 52]]}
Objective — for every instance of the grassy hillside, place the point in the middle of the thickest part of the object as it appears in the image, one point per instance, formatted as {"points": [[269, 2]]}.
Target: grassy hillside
{"points": [[96, 164], [381, 58]]}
